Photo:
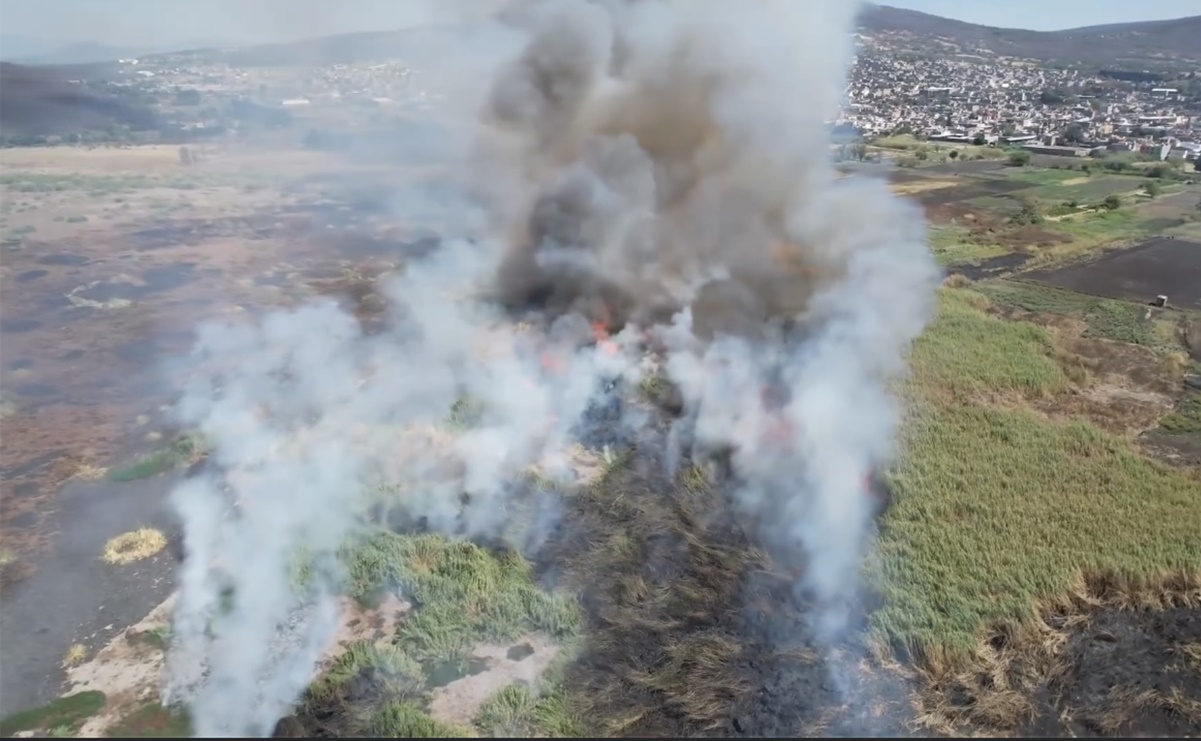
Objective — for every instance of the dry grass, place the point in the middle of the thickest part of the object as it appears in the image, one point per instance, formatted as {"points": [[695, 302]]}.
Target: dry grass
{"points": [[1018, 671], [134, 546], [89, 472], [674, 592], [75, 655]]}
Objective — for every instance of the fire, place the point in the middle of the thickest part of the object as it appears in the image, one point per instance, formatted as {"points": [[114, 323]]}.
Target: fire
{"points": [[551, 363], [600, 332]]}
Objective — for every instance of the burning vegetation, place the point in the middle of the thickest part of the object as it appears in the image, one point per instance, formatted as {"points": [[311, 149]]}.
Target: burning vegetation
{"points": [[662, 287]]}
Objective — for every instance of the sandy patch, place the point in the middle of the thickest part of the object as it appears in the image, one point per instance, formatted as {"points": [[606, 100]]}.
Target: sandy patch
{"points": [[127, 670], [459, 701], [362, 624]]}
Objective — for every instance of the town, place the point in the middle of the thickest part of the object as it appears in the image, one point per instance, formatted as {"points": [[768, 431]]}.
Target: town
{"points": [[955, 99], [1017, 103]]}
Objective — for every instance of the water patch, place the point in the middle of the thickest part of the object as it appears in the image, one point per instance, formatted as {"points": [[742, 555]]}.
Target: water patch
{"points": [[63, 258], [16, 326], [446, 672], [30, 275]]}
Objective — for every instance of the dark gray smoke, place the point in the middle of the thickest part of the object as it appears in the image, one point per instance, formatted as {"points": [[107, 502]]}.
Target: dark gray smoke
{"points": [[658, 169]]}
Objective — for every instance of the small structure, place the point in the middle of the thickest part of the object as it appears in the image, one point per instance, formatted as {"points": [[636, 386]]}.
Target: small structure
{"points": [[1161, 301]]}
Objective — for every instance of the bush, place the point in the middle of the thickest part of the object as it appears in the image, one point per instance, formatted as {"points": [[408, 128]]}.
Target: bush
{"points": [[1019, 158]]}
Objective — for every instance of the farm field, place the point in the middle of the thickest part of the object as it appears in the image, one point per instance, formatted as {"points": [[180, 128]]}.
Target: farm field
{"points": [[1048, 408]]}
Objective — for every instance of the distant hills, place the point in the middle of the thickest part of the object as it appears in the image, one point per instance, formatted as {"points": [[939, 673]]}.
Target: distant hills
{"points": [[20, 49], [47, 100], [1145, 45], [1125, 45], [1119, 45]]}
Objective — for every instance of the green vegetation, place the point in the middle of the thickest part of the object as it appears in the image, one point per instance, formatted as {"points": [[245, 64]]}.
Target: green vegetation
{"points": [[1105, 318], [187, 448], [998, 510], [955, 245], [966, 351], [68, 711], [32, 182], [466, 594], [516, 711], [402, 677], [1090, 231], [1018, 158], [153, 721], [403, 720], [1186, 418], [1039, 176]]}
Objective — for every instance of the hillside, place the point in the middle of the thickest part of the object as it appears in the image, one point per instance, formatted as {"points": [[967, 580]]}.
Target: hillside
{"points": [[1127, 45], [51, 100], [1136, 46]]}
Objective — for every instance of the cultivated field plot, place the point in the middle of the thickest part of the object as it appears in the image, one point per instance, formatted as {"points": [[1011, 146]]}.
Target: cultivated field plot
{"points": [[1003, 205], [972, 167], [1085, 189], [974, 189], [1164, 266]]}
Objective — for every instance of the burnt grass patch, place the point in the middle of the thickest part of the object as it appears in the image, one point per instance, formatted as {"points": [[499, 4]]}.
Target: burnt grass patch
{"points": [[692, 628], [992, 267], [1164, 266], [1112, 659], [974, 189]]}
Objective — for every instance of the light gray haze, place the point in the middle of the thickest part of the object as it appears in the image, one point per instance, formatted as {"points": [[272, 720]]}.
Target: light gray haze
{"points": [[662, 165]]}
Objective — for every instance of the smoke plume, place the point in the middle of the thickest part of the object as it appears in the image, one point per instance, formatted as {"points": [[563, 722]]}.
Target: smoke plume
{"points": [[660, 195]]}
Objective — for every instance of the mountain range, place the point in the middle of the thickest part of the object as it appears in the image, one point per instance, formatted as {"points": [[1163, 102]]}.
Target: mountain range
{"points": [[1140, 45], [1121, 45]]}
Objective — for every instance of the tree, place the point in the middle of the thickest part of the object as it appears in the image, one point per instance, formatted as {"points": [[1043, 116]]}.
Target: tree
{"points": [[980, 140], [1019, 158], [1152, 188], [1112, 202], [953, 154], [1051, 96], [1027, 215], [1074, 134]]}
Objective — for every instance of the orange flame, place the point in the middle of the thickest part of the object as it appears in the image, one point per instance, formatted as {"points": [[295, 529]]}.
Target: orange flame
{"points": [[600, 332], [551, 363]]}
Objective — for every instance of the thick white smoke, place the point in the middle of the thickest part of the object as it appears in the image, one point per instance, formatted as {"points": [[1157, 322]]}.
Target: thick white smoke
{"points": [[658, 166]]}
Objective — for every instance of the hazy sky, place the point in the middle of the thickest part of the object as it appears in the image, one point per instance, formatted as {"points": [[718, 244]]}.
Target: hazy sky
{"points": [[163, 23]]}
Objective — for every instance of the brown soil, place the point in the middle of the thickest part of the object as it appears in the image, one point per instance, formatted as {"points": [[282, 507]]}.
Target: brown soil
{"points": [[89, 324], [985, 227], [360, 623], [1179, 450], [1122, 388], [1125, 389], [1163, 266]]}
